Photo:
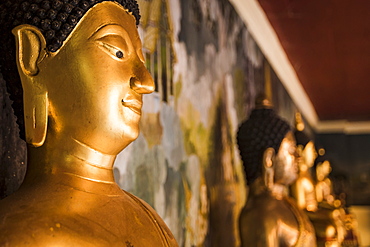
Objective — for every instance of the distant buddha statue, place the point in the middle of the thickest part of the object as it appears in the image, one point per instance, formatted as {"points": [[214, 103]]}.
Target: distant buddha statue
{"points": [[324, 186], [303, 189], [75, 69], [329, 219], [268, 149]]}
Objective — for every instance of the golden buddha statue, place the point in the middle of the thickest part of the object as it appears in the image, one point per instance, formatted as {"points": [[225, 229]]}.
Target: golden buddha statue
{"points": [[324, 186], [270, 217], [81, 69], [303, 189], [329, 218]]}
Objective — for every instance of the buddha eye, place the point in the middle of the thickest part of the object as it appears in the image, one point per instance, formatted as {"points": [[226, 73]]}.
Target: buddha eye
{"points": [[117, 53]]}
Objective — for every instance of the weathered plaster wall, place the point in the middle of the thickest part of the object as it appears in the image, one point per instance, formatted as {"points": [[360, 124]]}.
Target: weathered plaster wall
{"points": [[185, 162]]}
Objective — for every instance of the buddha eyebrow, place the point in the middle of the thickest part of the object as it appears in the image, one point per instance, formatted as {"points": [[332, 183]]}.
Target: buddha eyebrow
{"points": [[102, 28]]}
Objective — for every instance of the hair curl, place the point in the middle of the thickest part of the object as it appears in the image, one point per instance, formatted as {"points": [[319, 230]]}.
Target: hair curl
{"points": [[301, 138], [55, 19], [263, 129]]}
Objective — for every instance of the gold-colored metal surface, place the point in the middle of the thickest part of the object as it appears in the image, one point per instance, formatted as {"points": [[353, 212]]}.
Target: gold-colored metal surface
{"points": [[270, 217], [324, 186], [82, 107], [303, 190], [329, 218]]}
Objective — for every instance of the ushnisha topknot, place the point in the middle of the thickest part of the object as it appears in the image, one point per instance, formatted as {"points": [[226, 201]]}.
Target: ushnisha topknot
{"points": [[301, 138], [55, 19], [263, 129]]}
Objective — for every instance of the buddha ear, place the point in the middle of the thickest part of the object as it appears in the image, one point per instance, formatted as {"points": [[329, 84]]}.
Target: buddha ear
{"points": [[31, 50], [268, 169]]}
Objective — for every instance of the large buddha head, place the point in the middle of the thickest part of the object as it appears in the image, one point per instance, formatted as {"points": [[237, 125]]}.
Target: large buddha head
{"points": [[266, 142], [75, 68]]}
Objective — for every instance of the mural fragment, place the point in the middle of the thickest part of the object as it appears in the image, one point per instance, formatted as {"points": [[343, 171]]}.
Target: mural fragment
{"points": [[208, 71]]}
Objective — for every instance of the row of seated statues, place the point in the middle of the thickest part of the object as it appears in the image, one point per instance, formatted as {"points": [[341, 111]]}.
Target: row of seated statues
{"points": [[313, 190], [75, 72], [287, 204]]}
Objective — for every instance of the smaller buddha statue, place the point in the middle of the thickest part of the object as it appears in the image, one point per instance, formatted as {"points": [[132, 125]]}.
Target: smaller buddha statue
{"points": [[329, 218], [303, 189], [324, 186], [268, 151], [351, 238]]}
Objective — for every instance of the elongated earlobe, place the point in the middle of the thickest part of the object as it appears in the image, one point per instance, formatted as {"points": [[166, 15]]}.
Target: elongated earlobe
{"points": [[35, 118], [268, 169], [31, 49]]}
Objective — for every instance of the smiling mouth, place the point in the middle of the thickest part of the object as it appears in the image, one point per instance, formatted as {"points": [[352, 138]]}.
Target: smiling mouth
{"points": [[133, 105]]}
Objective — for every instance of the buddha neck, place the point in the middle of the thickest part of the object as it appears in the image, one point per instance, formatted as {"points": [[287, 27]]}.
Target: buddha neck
{"points": [[303, 168], [279, 191], [68, 156], [276, 190]]}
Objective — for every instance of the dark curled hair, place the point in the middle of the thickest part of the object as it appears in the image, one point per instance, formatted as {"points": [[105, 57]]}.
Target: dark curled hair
{"points": [[301, 138], [55, 19], [262, 130]]}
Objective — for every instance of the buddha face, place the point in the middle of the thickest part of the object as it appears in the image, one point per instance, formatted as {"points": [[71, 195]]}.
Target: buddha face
{"points": [[309, 154], [323, 170], [95, 81], [286, 169]]}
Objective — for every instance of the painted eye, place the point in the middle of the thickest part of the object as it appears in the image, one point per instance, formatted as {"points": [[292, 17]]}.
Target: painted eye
{"points": [[119, 54], [112, 50]]}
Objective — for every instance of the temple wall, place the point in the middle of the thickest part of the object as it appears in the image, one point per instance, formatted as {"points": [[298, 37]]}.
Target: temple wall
{"points": [[185, 162]]}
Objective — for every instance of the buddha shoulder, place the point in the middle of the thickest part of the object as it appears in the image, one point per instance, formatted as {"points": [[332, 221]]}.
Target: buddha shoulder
{"points": [[123, 220], [157, 220]]}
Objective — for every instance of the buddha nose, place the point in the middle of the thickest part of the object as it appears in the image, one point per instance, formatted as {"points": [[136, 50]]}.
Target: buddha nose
{"points": [[142, 82]]}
